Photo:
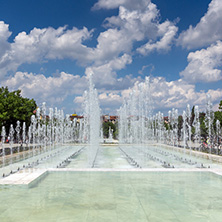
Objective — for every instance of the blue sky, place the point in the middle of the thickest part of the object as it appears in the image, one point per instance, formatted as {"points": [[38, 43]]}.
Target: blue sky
{"points": [[49, 48]]}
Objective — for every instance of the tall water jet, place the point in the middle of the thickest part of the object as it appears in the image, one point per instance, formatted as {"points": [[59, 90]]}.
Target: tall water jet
{"points": [[50, 129], [135, 113], [33, 133], [188, 123], [186, 129], [11, 139], [110, 137], [17, 129], [196, 124], [159, 127], [218, 133], [91, 121], [3, 135], [24, 133], [123, 124], [209, 121], [173, 127], [43, 127]]}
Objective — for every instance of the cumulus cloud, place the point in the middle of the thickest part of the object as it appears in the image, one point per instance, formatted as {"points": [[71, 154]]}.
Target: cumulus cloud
{"points": [[165, 95], [166, 32], [111, 44], [112, 4], [136, 21], [207, 31], [109, 101], [52, 90], [43, 44], [204, 65], [105, 75], [4, 35], [123, 31], [176, 94]]}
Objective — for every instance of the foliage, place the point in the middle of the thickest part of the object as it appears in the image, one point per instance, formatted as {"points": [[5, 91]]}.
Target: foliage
{"points": [[106, 126], [192, 116], [14, 107], [166, 125], [180, 125], [203, 128], [116, 132], [217, 116], [220, 106]]}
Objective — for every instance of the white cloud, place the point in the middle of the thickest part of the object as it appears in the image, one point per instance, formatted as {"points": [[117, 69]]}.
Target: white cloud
{"points": [[78, 99], [4, 31], [165, 95], [133, 24], [105, 75], [43, 44], [136, 21], [4, 35], [151, 69], [167, 32], [207, 31], [52, 90], [204, 65], [111, 4], [110, 99], [111, 43], [176, 94]]}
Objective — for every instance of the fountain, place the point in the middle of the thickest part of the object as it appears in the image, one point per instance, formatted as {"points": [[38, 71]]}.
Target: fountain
{"points": [[209, 122], [134, 115], [110, 138], [142, 135], [61, 154], [3, 135], [92, 122]]}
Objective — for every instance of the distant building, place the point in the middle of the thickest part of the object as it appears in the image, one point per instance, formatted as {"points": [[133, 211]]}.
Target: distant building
{"points": [[107, 118], [77, 117], [166, 119]]}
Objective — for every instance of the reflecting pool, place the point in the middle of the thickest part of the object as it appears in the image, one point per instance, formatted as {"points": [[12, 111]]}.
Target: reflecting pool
{"points": [[126, 183], [115, 196]]}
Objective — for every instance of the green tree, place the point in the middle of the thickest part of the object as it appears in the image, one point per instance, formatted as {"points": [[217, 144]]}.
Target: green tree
{"points": [[180, 125], [203, 128], [14, 107], [218, 115], [116, 132], [106, 126], [220, 106]]}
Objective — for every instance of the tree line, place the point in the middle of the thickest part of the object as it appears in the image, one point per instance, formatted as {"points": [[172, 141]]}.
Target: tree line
{"points": [[14, 107]]}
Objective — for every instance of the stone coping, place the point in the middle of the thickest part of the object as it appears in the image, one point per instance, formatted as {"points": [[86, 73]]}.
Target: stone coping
{"points": [[25, 177], [208, 156], [30, 176]]}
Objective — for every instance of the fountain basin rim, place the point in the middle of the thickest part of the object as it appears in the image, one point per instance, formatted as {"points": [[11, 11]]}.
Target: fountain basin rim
{"points": [[28, 178]]}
